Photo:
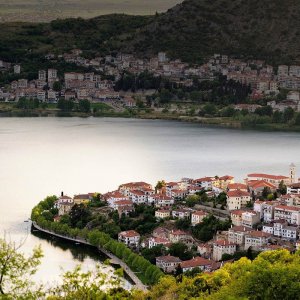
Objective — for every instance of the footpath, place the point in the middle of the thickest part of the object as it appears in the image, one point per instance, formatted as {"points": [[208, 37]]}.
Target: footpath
{"points": [[113, 259]]}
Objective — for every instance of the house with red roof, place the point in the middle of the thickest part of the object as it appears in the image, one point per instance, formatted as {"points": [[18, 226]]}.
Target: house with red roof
{"points": [[257, 186], [156, 241], [138, 196], [236, 216], [130, 238], [176, 236], [112, 197], [197, 217], [201, 263], [273, 179], [222, 247], [161, 201], [289, 213], [236, 199], [162, 214], [256, 239], [168, 263], [204, 183], [127, 187], [236, 234], [237, 186], [250, 218]]}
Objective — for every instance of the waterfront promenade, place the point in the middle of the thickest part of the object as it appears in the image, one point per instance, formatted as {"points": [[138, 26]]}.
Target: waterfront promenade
{"points": [[113, 259]]}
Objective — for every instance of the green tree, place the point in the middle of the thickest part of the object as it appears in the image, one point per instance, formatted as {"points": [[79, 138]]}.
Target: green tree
{"points": [[288, 114], [79, 215], [84, 106], [16, 270]]}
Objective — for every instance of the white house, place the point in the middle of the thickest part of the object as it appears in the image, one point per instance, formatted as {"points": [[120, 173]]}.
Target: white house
{"points": [[168, 263], [289, 213], [222, 247], [198, 216], [130, 238]]}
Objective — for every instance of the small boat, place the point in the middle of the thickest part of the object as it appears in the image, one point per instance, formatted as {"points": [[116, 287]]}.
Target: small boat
{"points": [[26, 221]]}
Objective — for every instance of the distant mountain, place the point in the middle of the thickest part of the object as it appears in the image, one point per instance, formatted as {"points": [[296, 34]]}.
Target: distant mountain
{"points": [[48, 10], [268, 29], [192, 30]]}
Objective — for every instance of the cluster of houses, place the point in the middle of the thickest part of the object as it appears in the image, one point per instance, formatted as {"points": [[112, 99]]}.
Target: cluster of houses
{"points": [[278, 219], [261, 77]]}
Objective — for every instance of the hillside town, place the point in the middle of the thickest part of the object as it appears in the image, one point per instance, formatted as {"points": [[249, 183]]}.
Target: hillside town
{"points": [[94, 85], [261, 213]]}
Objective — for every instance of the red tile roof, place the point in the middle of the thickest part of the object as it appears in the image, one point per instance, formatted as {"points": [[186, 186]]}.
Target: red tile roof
{"points": [[240, 229], [238, 193], [226, 177], [256, 184], [168, 259], [259, 234], [199, 213], [129, 233], [237, 186], [224, 243], [268, 176], [196, 262], [285, 207], [123, 202]]}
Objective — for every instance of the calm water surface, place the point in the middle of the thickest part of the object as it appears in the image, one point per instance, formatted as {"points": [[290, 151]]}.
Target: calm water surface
{"points": [[44, 156]]}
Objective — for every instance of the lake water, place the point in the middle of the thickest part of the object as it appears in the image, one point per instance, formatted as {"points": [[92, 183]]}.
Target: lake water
{"points": [[44, 156]]}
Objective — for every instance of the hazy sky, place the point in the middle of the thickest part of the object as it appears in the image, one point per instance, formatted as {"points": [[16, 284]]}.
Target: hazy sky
{"points": [[44, 10]]}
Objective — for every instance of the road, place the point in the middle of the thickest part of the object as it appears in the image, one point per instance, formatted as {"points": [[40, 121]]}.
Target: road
{"points": [[114, 260]]}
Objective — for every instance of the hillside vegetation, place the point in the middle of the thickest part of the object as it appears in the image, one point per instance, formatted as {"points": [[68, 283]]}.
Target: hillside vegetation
{"points": [[192, 31], [268, 29]]}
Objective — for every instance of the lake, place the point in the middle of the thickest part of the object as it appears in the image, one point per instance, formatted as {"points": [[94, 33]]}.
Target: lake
{"points": [[44, 156]]}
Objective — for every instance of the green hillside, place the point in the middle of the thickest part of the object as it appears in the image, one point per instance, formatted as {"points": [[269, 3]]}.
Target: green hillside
{"points": [[191, 31], [267, 29]]}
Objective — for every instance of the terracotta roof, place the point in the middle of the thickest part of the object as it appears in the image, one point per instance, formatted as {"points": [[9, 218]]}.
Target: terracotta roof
{"points": [[140, 184], [238, 193], [285, 207], [237, 212], [240, 229], [262, 175], [159, 240], [256, 184], [123, 202], [237, 186], [295, 185], [196, 262], [199, 213], [162, 197], [163, 211], [204, 179], [258, 234], [129, 233], [226, 177], [224, 243], [169, 259], [137, 193]]}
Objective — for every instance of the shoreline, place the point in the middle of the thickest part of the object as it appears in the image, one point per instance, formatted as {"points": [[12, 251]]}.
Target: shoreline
{"points": [[113, 259], [218, 122]]}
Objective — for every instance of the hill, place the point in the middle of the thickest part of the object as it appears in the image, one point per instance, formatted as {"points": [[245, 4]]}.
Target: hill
{"points": [[192, 31], [267, 29]]}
